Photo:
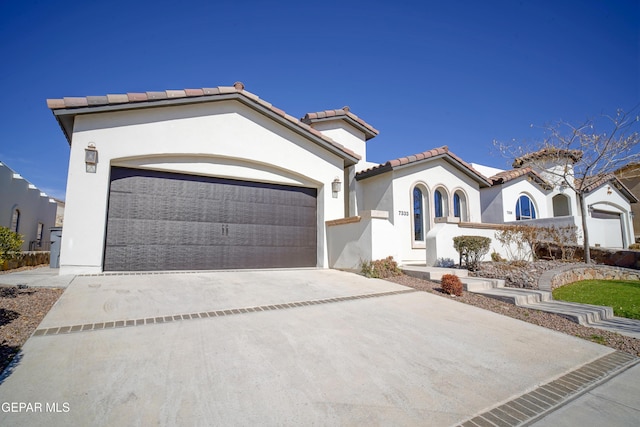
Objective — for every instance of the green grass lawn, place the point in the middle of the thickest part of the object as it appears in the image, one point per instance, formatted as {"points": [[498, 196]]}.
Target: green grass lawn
{"points": [[622, 295]]}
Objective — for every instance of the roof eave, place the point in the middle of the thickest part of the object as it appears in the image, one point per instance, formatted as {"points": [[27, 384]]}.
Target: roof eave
{"points": [[66, 117], [368, 133]]}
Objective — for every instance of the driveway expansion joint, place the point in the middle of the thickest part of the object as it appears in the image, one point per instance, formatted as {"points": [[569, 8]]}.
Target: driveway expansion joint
{"points": [[64, 330], [530, 407]]}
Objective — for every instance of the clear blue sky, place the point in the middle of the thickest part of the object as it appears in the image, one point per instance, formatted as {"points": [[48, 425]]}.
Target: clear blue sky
{"points": [[425, 73]]}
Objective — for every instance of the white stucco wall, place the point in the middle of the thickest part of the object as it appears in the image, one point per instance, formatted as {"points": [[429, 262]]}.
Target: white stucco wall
{"points": [[346, 135], [370, 237], [393, 192], [222, 139], [511, 192], [35, 207], [608, 232]]}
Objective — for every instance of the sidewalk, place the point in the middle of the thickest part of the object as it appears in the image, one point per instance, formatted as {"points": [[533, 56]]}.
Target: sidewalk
{"points": [[41, 277]]}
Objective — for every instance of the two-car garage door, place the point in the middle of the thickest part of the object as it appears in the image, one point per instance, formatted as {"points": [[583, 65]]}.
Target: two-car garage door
{"points": [[168, 221]]}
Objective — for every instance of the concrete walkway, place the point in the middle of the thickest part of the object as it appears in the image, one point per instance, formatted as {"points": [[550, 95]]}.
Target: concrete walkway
{"points": [[38, 277], [294, 347], [584, 314]]}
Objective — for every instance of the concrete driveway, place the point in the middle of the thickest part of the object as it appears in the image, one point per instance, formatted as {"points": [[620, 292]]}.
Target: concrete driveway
{"points": [[222, 349]]}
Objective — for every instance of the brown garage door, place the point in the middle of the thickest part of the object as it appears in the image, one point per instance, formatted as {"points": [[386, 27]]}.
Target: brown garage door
{"points": [[167, 221]]}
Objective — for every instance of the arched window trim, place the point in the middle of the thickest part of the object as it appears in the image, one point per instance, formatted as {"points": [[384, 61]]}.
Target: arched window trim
{"points": [[461, 209], [425, 214], [530, 211], [440, 207]]}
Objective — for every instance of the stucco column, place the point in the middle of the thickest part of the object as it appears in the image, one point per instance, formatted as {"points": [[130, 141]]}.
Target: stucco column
{"points": [[350, 192]]}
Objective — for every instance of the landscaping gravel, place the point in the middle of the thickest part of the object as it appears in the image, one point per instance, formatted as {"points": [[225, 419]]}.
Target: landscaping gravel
{"points": [[21, 311]]}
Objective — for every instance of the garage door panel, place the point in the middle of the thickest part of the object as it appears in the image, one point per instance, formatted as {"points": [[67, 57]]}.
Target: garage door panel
{"points": [[165, 221]]}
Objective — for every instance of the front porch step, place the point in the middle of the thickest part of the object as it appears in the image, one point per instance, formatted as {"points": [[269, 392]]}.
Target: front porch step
{"points": [[433, 274], [583, 314], [515, 296]]}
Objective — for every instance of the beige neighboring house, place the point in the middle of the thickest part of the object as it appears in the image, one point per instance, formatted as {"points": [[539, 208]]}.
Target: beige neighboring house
{"points": [[630, 177], [26, 210], [59, 212]]}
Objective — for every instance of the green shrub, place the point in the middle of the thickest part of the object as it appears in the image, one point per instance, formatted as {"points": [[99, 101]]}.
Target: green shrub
{"points": [[10, 244], [380, 269], [496, 257], [451, 284], [471, 249]]}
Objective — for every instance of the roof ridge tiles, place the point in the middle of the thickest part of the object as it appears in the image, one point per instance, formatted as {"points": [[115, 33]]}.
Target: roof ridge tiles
{"points": [[171, 94]]}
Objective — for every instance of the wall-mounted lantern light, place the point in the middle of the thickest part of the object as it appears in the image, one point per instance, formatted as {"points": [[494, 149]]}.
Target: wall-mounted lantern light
{"points": [[91, 158], [336, 186]]}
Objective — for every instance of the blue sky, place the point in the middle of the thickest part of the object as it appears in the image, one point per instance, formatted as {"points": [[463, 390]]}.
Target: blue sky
{"points": [[425, 73]]}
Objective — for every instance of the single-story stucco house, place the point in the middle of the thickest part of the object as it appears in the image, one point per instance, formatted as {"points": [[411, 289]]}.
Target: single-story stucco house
{"points": [[217, 178], [26, 210]]}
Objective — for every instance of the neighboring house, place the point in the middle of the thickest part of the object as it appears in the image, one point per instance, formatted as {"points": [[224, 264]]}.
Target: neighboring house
{"points": [[629, 175], [59, 212], [25, 209], [217, 178], [527, 194]]}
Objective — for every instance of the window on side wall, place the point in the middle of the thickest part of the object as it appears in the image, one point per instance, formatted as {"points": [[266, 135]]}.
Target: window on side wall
{"points": [[525, 209], [15, 221], [39, 234]]}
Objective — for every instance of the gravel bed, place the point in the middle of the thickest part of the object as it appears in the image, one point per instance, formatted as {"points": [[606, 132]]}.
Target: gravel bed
{"points": [[518, 274], [540, 318], [21, 311]]}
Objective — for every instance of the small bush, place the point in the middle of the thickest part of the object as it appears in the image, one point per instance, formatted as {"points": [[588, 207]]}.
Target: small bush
{"points": [[445, 262], [10, 243], [451, 284], [496, 257], [634, 246], [471, 249], [380, 269]]}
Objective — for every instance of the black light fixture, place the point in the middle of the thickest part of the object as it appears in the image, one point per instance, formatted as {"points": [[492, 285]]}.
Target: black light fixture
{"points": [[91, 158]]}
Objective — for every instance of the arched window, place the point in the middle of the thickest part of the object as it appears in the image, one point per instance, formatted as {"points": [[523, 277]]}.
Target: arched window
{"points": [[460, 206], [418, 215], [561, 205], [525, 209], [438, 205], [15, 221]]}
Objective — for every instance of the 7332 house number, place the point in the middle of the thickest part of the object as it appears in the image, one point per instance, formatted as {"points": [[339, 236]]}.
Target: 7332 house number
{"points": [[403, 213]]}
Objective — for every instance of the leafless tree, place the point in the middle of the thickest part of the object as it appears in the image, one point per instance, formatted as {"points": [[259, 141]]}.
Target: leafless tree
{"points": [[580, 157]]}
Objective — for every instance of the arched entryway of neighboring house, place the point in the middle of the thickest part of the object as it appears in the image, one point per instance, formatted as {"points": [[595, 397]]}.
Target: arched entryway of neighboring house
{"points": [[420, 217], [561, 205], [460, 206], [440, 202], [608, 226]]}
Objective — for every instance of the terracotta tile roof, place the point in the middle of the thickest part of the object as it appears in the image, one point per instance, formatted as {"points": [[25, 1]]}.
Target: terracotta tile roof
{"points": [[436, 153], [550, 153], [506, 176], [342, 113], [66, 109], [593, 182]]}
